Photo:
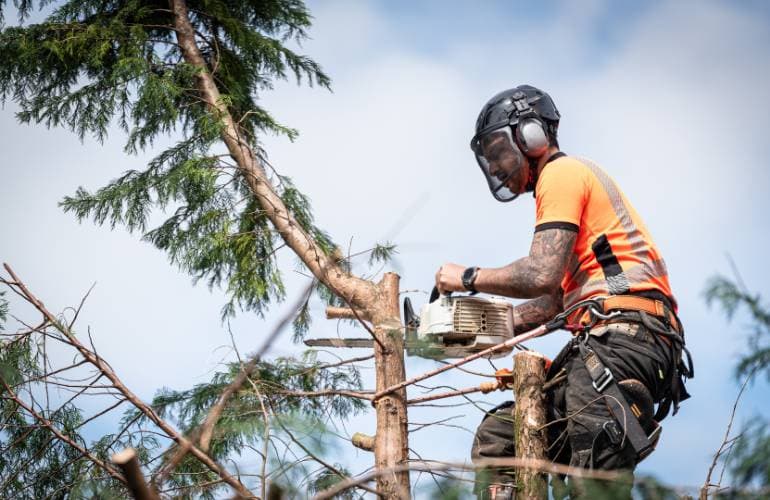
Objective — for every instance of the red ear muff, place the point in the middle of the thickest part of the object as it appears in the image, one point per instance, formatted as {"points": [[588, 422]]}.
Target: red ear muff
{"points": [[532, 137]]}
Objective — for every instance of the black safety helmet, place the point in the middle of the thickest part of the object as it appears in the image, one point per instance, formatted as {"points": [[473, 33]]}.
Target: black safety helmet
{"points": [[514, 126]]}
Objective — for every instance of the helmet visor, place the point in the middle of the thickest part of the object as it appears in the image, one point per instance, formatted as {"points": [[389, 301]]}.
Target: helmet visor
{"points": [[502, 163]]}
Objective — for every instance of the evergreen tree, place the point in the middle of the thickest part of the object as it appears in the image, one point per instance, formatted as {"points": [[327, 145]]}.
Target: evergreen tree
{"points": [[194, 70], [93, 64]]}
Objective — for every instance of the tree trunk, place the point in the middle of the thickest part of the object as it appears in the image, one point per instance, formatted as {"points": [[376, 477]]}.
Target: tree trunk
{"points": [[391, 447], [378, 302], [528, 420]]}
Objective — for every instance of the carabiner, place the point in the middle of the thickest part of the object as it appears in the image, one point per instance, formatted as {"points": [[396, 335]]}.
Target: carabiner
{"points": [[603, 316]]}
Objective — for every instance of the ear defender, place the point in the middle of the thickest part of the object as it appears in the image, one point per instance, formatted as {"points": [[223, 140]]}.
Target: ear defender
{"points": [[531, 136], [530, 129]]}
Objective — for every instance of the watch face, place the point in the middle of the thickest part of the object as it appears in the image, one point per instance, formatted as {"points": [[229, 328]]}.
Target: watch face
{"points": [[469, 276]]}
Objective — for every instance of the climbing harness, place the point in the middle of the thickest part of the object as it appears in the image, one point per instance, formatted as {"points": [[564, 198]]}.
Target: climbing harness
{"points": [[633, 421]]}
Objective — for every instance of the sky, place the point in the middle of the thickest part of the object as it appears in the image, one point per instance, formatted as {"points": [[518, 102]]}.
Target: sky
{"points": [[671, 98]]}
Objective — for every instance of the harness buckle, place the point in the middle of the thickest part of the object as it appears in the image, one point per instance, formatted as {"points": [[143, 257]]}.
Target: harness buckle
{"points": [[603, 380]]}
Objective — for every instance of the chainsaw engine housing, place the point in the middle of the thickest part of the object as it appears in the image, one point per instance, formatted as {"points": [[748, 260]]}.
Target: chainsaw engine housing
{"points": [[456, 327]]}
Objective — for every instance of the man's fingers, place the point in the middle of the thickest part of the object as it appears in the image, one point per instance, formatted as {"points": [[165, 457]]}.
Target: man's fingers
{"points": [[448, 278], [440, 280]]}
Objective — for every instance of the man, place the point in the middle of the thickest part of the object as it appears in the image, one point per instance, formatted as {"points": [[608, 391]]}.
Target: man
{"points": [[591, 256]]}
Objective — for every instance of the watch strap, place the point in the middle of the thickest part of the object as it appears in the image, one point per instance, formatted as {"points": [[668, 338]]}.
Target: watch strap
{"points": [[469, 278]]}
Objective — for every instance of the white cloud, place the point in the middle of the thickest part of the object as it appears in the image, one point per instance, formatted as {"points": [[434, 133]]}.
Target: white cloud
{"points": [[675, 113]]}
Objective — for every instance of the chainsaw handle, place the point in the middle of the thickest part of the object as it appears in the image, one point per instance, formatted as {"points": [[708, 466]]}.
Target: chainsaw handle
{"points": [[434, 294]]}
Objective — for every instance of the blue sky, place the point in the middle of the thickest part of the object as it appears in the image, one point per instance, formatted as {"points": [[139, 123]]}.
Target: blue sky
{"points": [[672, 98]]}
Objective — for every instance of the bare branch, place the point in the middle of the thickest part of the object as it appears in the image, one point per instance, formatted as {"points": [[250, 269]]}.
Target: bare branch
{"points": [[484, 387], [430, 466], [327, 392], [206, 430], [704, 491], [541, 330], [20, 288], [318, 459], [62, 437]]}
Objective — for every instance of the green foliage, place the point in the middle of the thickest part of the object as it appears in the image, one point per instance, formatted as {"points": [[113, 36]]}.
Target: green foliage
{"points": [[241, 426], [23, 9], [34, 463], [3, 309], [751, 455], [276, 380], [649, 488], [327, 479], [449, 488], [732, 297], [382, 252], [92, 64], [751, 452]]}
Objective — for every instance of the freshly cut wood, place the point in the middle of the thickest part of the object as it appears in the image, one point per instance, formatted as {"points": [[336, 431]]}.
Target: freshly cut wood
{"points": [[528, 419], [363, 441], [346, 313], [129, 464]]}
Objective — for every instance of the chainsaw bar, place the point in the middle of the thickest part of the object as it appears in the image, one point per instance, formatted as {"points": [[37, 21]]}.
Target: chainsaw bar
{"points": [[412, 348], [354, 343], [365, 343]]}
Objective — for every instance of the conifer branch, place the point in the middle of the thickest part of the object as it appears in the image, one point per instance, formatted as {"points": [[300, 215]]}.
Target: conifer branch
{"points": [[324, 463], [62, 437], [354, 290], [108, 372], [205, 431]]}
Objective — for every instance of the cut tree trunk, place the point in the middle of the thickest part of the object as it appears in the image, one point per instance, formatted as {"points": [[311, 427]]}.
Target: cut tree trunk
{"points": [[529, 418], [391, 447]]}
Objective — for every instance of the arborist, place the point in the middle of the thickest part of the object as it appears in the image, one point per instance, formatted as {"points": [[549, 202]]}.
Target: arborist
{"points": [[592, 261]]}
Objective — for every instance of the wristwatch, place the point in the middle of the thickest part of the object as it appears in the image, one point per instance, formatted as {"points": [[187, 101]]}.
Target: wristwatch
{"points": [[469, 276]]}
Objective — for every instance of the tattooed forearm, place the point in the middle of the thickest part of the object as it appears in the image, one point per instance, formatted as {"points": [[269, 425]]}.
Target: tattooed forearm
{"points": [[538, 274], [535, 312]]}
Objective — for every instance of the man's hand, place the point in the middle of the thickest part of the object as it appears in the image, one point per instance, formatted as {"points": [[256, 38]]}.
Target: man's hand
{"points": [[449, 278]]}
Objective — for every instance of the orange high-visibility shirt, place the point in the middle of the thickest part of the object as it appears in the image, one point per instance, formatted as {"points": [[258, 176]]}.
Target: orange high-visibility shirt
{"points": [[614, 253]]}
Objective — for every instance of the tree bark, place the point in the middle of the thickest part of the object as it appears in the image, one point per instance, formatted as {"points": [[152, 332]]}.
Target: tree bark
{"points": [[128, 462], [391, 447], [352, 289], [378, 302], [529, 419]]}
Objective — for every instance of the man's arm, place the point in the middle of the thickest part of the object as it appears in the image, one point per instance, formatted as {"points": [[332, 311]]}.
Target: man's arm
{"points": [[535, 312], [538, 274]]}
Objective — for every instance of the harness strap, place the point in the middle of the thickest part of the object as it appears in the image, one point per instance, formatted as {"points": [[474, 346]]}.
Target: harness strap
{"points": [[604, 383], [631, 303], [637, 303]]}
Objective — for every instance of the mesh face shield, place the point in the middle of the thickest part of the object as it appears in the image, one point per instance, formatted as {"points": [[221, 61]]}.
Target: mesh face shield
{"points": [[502, 162]]}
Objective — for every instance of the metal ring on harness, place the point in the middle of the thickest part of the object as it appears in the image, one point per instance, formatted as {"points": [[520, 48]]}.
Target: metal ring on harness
{"points": [[603, 316]]}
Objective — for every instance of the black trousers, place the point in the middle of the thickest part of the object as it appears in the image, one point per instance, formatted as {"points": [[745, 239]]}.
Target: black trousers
{"points": [[577, 413]]}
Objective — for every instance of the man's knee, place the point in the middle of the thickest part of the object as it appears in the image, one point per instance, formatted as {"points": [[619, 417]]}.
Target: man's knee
{"points": [[494, 439], [494, 436]]}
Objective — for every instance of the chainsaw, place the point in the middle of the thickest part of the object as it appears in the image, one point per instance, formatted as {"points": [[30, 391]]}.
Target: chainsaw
{"points": [[447, 327], [457, 326]]}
